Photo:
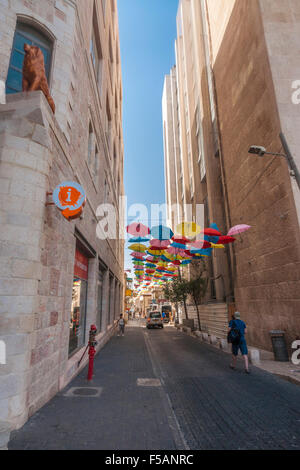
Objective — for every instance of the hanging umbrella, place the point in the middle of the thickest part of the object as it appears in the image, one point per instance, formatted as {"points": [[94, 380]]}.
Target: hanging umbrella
{"points": [[225, 240], [159, 244], [138, 240], [178, 245], [188, 229], [203, 252], [237, 229], [176, 251], [138, 230], [137, 255], [161, 232], [200, 244], [215, 245], [211, 232], [181, 239], [138, 247], [155, 252]]}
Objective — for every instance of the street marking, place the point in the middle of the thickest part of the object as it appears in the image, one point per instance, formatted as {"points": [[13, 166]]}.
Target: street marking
{"points": [[148, 382], [85, 392]]}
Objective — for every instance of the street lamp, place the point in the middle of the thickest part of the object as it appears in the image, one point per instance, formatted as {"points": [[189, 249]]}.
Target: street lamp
{"points": [[261, 152]]}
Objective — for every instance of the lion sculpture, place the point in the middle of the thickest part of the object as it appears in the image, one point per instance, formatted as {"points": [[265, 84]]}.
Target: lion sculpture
{"points": [[34, 75]]}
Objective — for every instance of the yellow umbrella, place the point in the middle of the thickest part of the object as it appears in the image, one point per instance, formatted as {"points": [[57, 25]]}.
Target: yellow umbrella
{"points": [[188, 229], [213, 245], [138, 247], [156, 252]]}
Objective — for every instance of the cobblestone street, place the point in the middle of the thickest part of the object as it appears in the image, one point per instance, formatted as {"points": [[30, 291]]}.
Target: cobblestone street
{"points": [[194, 402]]}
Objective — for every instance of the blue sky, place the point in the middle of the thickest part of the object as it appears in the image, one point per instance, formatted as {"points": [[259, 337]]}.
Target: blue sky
{"points": [[147, 35]]}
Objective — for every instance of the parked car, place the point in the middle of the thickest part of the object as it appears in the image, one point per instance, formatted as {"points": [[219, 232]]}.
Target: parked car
{"points": [[154, 319]]}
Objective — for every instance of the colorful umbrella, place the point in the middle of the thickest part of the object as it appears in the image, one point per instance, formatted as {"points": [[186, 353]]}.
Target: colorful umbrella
{"points": [[138, 247], [188, 229], [159, 244], [138, 230], [238, 229], [211, 232], [161, 232], [138, 255], [199, 244], [215, 245], [225, 240], [138, 240]]}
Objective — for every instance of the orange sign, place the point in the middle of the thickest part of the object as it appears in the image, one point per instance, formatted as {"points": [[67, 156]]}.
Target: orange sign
{"points": [[70, 198]]}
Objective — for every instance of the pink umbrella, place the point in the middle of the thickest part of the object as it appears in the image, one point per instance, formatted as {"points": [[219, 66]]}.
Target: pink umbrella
{"points": [[138, 230], [238, 229], [199, 244], [159, 244], [137, 254], [176, 251]]}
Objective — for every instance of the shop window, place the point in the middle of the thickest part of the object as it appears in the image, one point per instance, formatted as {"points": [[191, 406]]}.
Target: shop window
{"points": [[26, 34], [79, 297], [99, 321]]}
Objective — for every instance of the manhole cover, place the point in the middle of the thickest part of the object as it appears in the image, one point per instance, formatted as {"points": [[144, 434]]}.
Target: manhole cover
{"points": [[148, 382], [83, 392]]}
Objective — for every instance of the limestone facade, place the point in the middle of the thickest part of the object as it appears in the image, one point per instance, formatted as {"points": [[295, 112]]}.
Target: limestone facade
{"points": [[83, 142], [245, 55]]}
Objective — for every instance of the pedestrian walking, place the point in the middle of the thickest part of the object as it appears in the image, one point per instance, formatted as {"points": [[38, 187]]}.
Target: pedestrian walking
{"points": [[236, 336], [121, 326]]}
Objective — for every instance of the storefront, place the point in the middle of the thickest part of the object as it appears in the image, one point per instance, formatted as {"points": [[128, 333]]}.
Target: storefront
{"points": [[79, 301], [100, 288]]}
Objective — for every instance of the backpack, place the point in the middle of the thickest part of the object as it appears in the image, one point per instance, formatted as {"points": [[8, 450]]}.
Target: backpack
{"points": [[234, 336]]}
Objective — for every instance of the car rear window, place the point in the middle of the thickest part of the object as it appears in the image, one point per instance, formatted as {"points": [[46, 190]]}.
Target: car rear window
{"points": [[155, 315]]}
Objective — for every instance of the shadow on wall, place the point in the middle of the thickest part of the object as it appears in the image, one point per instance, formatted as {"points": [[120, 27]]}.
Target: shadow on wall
{"points": [[258, 190]]}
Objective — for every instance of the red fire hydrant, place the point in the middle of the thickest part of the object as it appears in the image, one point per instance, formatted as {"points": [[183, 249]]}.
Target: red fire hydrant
{"points": [[92, 351]]}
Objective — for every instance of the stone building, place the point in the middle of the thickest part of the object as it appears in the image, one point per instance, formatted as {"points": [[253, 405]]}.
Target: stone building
{"points": [[57, 277], [232, 87]]}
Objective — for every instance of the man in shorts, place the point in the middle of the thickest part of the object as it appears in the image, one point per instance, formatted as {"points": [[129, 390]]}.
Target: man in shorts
{"points": [[237, 323]]}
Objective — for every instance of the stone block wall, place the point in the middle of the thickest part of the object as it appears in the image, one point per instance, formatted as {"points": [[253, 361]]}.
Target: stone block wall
{"points": [[37, 245], [267, 258]]}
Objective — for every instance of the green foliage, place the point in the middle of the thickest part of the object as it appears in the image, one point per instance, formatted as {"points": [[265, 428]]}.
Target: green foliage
{"points": [[176, 290]]}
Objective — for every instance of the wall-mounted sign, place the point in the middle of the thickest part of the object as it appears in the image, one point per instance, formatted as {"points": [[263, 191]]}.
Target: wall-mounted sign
{"points": [[70, 198]]}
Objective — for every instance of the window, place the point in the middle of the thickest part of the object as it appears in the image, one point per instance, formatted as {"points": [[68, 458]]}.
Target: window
{"points": [[108, 127], [99, 321], [91, 145], [96, 50], [96, 162], [93, 153], [26, 34]]}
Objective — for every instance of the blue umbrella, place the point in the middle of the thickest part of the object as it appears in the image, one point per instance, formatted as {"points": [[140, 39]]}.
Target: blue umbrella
{"points": [[203, 252], [138, 240], [161, 232], [178, 245], [212, 239]]}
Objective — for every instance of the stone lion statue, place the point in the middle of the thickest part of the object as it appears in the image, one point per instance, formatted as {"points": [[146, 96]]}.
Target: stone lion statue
{"points": [[34, 76]]}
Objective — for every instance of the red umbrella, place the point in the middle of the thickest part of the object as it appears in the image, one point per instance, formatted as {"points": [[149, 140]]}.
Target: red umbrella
{"points": [[225, 240], [180, 239], [211, 232], [201, 244], [176, 263]]}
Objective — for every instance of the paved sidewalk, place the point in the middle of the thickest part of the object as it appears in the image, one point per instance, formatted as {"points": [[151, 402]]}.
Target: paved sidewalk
{"points": [[124, 416], [285, 370]]}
